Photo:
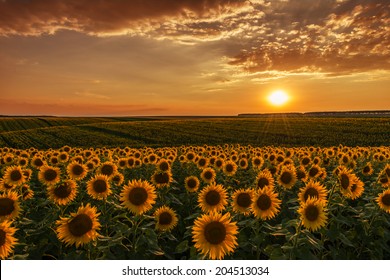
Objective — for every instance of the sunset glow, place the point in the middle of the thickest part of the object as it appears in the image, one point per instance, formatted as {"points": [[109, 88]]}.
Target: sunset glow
{"points": [[206, 57], [278, 98]]}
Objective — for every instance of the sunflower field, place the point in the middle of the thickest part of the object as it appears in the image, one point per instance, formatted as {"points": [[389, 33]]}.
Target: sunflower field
{"points": [[195, 202]]}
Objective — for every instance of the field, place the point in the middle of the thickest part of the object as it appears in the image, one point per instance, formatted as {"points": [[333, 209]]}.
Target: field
{"points": [[195, 188]]}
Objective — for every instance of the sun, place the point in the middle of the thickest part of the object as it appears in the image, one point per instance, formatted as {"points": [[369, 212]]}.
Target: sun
{"points": [[278, 98]]}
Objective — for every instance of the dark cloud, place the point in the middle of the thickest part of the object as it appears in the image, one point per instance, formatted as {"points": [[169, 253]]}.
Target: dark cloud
{"points": [[35, 17]]}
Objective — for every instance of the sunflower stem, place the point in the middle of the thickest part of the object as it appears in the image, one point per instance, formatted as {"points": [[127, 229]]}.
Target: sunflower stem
{"points": [[298, 232]]}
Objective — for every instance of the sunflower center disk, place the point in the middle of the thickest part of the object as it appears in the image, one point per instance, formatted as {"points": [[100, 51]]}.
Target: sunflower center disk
{"points": [[6, 206], [286, 177], [165, 218], [77, 170], [213, 198], [100, 186], [63, 191], [366, 169], [312, 213], [107, 170], [229, 168], [138, 196], [38, 162], [16, 175], [208, 175], [161, 178], [386, 199], [80, 225], [191, 184], [50, 175], [2, 237], [164, 166], [244, 200], [264, 202], [215, 233], [311, 192], [344, 181], [262, 182], [313, 172]]}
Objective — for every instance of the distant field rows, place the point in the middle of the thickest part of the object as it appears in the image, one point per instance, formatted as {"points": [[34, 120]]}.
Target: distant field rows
{"points": [[51, 132]]}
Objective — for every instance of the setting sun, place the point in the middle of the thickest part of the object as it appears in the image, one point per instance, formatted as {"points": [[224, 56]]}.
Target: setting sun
{"points": [[278, 98]]}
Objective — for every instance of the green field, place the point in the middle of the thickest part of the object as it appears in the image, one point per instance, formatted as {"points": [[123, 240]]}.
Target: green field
{"points": [[55, 132]]}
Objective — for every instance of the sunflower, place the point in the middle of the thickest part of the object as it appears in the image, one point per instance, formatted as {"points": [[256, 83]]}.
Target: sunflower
{"points": [[212, 198], [346, 179], [242, 200], [218, 162], [27, 192], [257, 162], [63, 157], [9, 206], [243, 163], [367, 170], [202, 162], [386, 170], [383, 200], [215, 235], [77, 171], [63, 193], [384, 180], [7, 239], [192, 183], [22, 161], [107, 168], [357, 189], [229, 168], [287, 177], [314, 190], [118, 179], [163, 165], [314, 171], [99, 187], [138, 196], [79, 229], [264, 179], [14, 176], [49, 175], [302, 174], [208, 175], [166, 218], [265, 204], [312, 213], [161, 180], [37, 162]]}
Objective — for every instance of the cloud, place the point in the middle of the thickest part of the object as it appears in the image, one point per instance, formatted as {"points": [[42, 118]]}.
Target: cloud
{"points": [[333, 37]]}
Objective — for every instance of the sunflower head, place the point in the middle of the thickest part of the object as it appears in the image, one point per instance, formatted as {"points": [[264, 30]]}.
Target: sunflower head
{"points": [[215, 235], [14, 176], [264, 179], [163, 165], [166, 218], [257, 162], [138, 196], [79, 229], [192, 183], [213, 198], [9, 206], [287, 177], [208, 175], [265, 204], [7, 239], [312, 214], [242, 201], [314, 190], [62, 193], [230, 168], [162, 179], [77, 171], [49, 175], [108, 169], [383, 200], [99, 187]]}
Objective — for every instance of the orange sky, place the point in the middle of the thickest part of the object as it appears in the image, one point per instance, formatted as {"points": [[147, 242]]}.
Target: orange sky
{"points": [[192, 57]]}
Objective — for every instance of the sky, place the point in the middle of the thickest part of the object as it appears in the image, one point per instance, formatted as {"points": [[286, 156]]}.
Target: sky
{"points": [[192, 57]]}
